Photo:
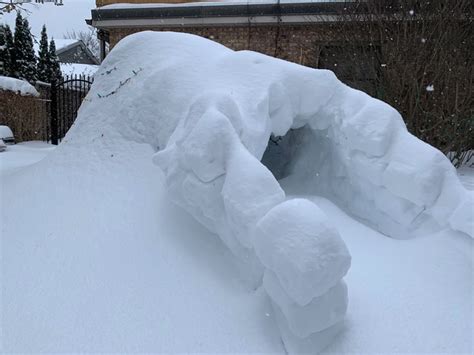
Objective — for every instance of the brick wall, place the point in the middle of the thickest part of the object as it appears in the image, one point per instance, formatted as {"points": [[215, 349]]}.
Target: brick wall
{"points": [[296, 43], [26, 116]]}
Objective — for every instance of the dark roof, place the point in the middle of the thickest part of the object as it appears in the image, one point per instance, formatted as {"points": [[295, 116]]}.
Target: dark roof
{"points": [[76, 52]]}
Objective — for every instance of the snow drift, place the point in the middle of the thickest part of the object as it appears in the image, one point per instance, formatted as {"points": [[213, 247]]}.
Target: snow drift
{"points": [[209, 112]]}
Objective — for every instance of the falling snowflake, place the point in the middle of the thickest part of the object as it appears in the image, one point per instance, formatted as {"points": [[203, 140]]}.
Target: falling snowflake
{"points": [[430, 88], [411, 12]]}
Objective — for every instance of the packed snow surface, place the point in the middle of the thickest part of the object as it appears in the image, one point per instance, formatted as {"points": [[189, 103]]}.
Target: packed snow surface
{"points": [[410, 285], [22, 155], [95, 258], [16, 85], [110, 265]]}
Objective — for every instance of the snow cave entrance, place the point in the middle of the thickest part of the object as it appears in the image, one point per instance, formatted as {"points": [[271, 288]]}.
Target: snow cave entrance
{"points": [[298, 159]]}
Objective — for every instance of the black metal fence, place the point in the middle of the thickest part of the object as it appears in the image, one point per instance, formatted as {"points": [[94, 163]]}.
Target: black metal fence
{"points": [[66, 98]]}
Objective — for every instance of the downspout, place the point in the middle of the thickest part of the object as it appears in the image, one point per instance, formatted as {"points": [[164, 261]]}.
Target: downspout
{"points": [[102, 37], [102, 49]]}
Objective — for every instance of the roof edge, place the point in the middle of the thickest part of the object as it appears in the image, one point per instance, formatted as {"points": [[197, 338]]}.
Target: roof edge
{"points": [[207, 10]]}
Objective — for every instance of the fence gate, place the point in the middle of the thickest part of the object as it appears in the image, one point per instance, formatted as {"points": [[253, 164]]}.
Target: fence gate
{"points": [[66, 98]]}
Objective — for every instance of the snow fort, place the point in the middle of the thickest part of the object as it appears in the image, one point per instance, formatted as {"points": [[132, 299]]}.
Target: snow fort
{"points": [[214, 115]]}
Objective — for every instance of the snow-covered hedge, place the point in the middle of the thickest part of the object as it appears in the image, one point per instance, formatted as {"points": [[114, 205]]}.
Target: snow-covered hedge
{"points": [[18, 86], [209, 113]]}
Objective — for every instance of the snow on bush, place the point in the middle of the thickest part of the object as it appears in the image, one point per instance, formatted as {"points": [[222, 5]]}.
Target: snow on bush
{"points": [[209, 113], [18, 86]]}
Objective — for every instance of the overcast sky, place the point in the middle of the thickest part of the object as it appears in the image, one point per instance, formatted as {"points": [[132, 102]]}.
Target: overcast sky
{"points": [[58, 19]]}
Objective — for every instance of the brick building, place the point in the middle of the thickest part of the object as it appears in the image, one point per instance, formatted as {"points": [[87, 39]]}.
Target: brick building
{"points": [[294, 31]]}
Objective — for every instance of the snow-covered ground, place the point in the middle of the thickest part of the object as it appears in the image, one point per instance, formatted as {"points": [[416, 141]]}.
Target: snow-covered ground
{"points": [[95, 257], [412, 296], [170, 287], [19, 156]]}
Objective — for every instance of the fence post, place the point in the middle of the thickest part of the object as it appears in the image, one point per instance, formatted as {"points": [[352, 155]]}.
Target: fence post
{"points": [[54, 114]]}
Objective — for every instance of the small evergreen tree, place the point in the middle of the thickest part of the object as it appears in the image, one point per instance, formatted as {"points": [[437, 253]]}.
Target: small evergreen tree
{"points": [[2, 50], [54, 63], [30, 69], [8, 52], [17, 54], [44, 61], [24, 54]]}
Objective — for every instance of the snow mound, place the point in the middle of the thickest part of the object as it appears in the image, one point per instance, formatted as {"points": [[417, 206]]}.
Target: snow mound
{"points": [[18, 86], [209, 112]]}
